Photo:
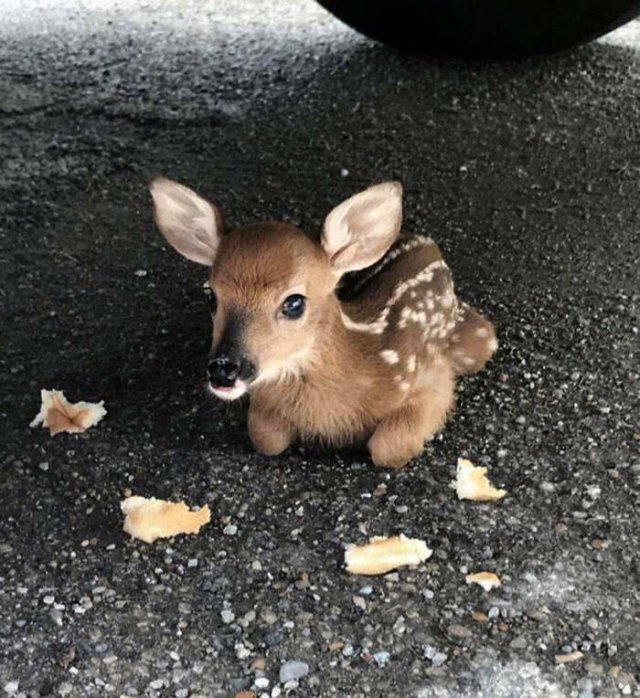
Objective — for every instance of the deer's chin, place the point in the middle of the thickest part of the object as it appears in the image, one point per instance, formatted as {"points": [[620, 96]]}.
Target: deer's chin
{"points": [[237, 390]]}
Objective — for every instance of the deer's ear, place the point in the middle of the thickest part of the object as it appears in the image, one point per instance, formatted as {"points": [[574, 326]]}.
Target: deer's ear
{"points": [[360, 230], [189, 223]]}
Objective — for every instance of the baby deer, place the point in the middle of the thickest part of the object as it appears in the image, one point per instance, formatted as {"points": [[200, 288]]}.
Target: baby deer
{"points": [[358, 336]]}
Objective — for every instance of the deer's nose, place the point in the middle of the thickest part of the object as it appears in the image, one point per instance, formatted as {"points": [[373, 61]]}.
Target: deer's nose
{"points": [[223, 370]]}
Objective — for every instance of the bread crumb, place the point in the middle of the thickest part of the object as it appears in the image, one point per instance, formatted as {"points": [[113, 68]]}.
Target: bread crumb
{"points": [[58, 414], [480, 617], [487, 580], [149, 519], [381, 555], [566, 658], [472, 483]]}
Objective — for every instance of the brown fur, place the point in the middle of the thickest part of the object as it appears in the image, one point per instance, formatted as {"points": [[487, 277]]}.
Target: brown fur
{"points": [[378, 364]]}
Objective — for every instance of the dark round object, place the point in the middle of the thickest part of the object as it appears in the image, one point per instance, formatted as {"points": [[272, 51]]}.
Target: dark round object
{"points": [[483, 28], [293, 306]]}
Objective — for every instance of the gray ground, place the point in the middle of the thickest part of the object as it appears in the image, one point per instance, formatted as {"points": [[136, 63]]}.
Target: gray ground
{"points": [[528, 175]]}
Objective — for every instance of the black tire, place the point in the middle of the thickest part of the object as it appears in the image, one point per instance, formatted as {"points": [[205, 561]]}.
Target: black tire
{"points": [[483, 28]]}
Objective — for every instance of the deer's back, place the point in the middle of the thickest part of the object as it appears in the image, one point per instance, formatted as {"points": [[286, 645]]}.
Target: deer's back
{"points": [[407, 298]]}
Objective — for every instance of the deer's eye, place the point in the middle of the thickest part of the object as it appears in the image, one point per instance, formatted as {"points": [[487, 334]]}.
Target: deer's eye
{"points": [[293, 306], [210, 297]]}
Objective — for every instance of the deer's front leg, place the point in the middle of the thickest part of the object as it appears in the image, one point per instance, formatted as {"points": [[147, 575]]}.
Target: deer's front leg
{"points": [[269, 434], [400, 436]]}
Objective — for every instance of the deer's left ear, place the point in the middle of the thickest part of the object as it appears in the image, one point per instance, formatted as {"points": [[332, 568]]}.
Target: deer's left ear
{"points": [[360, 230]]}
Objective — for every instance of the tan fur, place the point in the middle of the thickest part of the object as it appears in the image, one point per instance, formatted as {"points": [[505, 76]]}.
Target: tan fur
{"points": [[377, 365]]}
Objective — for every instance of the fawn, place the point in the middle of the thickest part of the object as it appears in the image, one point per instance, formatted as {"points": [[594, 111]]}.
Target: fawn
{"points": [[358, 336]]}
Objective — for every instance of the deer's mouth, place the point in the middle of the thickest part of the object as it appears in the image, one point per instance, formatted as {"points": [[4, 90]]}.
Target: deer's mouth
{"points": [[230, 392]]}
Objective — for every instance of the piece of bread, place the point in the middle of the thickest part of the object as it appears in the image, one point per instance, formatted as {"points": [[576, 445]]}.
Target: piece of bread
{"points": [[487, 580], [381, 555], [149, 519], [58, 414], [472, 483], [569, 657]]}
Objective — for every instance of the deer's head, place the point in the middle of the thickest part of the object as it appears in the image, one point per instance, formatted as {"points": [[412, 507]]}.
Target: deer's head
{"points": [[271, 286]]}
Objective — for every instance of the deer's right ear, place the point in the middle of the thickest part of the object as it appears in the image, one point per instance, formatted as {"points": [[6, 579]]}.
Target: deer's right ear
{"points": [[189, 223]]}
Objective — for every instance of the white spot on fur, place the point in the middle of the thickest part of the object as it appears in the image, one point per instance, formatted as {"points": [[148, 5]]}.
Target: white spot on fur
{"points": [[447, 299], [411, 363], [482, 332], [405, 385], [492, 344], [375, 327], [412, 243], [390, 356], [436, 319], [379, 325]]}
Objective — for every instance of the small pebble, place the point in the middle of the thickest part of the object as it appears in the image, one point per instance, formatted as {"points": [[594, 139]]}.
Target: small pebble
{"points": [[382, 658], [438, 659], [241, 651], [518, 643], [594, 668], [293, 670], [360, 602], [227, 615], [268, 616], [459, 631], [230, 530], [429, 651]]}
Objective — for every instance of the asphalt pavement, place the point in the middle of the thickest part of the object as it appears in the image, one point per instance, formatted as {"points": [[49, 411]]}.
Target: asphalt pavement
{"points": [[528, 176]]}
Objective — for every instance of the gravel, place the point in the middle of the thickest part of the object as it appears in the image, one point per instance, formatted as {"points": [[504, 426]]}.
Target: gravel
{"points": [[525, 173], [293, 670]]}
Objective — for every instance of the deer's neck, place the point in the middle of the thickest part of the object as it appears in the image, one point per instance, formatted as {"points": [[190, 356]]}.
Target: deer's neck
{"points": [[339, 354]]}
